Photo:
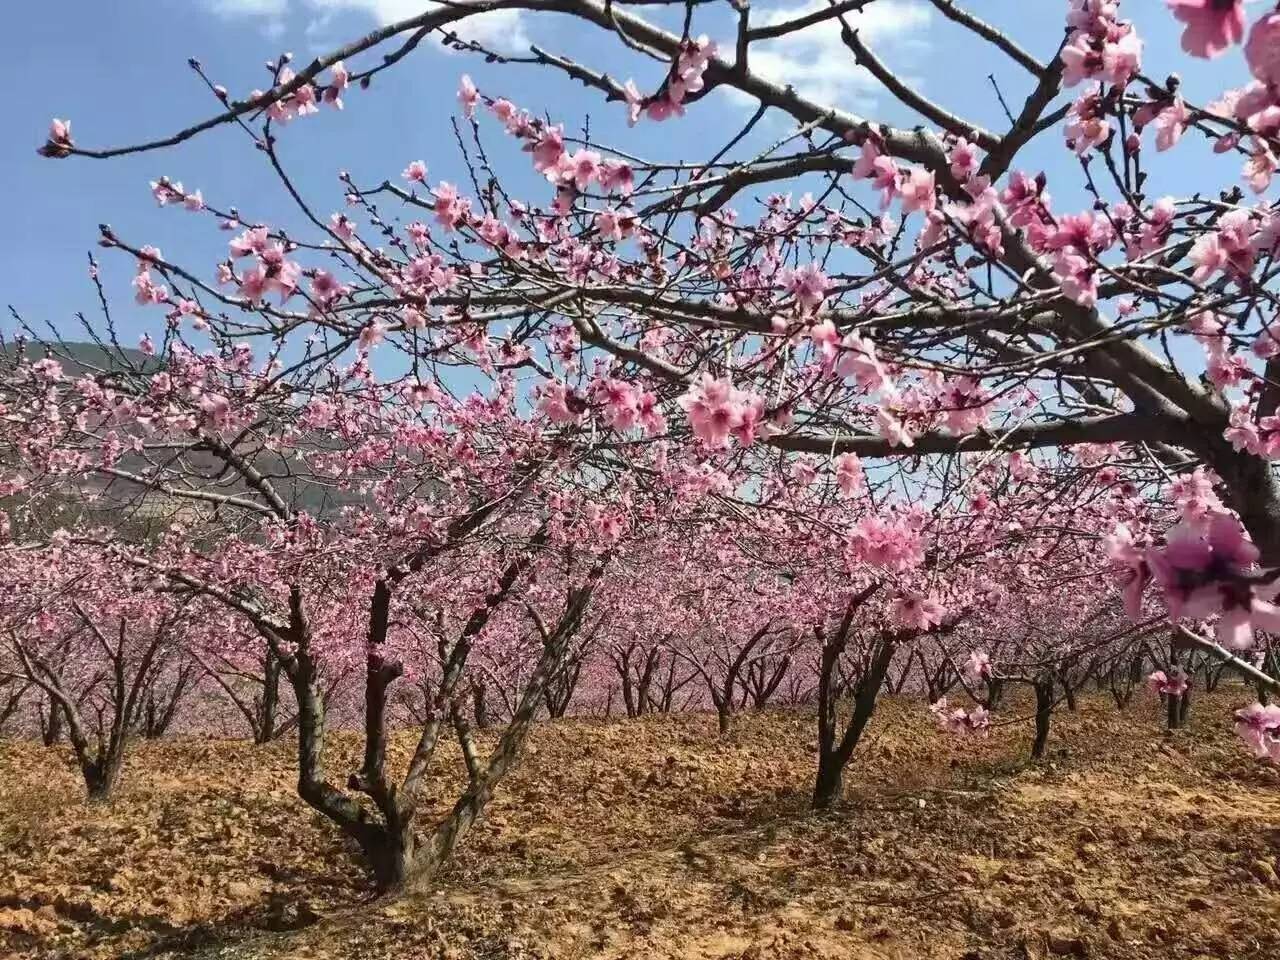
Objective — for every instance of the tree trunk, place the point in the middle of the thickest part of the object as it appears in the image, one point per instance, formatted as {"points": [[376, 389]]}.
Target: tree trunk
{"points": [[101, 776], [833, 756], [829, 784], [724, 719], [478, 706], [269, 704], [51, 724], [995, 692], [1044, 711]]}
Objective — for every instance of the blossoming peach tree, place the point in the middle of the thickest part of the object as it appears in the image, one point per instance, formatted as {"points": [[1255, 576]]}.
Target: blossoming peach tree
{"points": [[435, 439]]}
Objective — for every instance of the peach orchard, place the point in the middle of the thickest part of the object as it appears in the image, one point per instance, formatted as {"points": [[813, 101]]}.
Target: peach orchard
{"points": [[864, 412]]}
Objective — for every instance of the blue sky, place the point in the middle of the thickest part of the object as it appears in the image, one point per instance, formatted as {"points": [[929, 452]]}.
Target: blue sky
{"points": [[118, 71]]}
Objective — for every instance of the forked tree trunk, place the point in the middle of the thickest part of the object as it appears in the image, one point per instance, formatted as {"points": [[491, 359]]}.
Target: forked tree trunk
{"points": [[834, 754]]}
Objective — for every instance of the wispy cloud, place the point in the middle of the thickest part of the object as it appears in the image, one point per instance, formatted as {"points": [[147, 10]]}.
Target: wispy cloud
{"points": [[501, 30], [817, 63], [247, 8]]}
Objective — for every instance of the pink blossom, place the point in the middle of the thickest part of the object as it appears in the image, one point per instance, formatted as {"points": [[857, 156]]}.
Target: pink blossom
{"points": [[216, 410], [1261, 166], [1267, 344], [825, 338], [1134, 571], [850, 477], [1087, 126], [450, 209], [963, 159], [635, 102], [1259, 727], [616, 175], [957, 720], [620, 402], [1170, 124], [547, 150], [859, 361], [342, 226], [415, 172], [325, 288], [47, 369], [1169, 685], [317, 414], [892, 544], [59, 143], [913, 611], [253, 240], [804, 471], [1211, 25], [977, 668], [808, 284], [372, 334], [583, 167], [615, 224], [1206, 568], [1122, 58], [892, 429], [339, 79], [1208, 256], [918, 192], [718, 410], [1262, 50], [468, 96]]}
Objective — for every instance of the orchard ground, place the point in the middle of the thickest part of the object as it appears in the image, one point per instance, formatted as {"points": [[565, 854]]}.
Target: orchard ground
{"points": [[657, 838]]}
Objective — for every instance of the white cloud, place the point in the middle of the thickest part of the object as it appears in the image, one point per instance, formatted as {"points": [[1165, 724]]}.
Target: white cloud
{"points": [[502, 30], [498, 29], [247, 8], [817, 63]]}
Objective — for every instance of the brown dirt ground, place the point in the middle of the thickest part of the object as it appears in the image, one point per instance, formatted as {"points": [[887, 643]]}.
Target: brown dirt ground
{"points": [[656, 839]]}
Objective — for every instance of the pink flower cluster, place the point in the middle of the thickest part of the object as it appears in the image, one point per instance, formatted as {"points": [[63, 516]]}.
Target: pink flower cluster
{"points": [[808, 284], [718, 410], [977, 669], [686, 77], [1087, 124], [1100, 47], [1172, 684], [273, 272], [1259, 727], [166, 193], [850, 478], [915, 611], [1234, 245], [958, 720], [306, 99], [1207, 567], [915, 185], [1074, 242], [544, 142], [896, 543], [624, 406]]}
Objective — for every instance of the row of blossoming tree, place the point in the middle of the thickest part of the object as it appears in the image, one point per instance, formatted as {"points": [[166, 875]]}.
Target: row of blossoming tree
{"points": [[663, 432]]}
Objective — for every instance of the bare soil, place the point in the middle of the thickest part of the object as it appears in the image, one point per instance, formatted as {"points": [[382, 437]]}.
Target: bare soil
{"points": [[656, 838]]}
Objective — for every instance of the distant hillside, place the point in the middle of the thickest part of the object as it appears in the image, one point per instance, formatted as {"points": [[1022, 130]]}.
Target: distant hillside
{"points": [[80, 357]]}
